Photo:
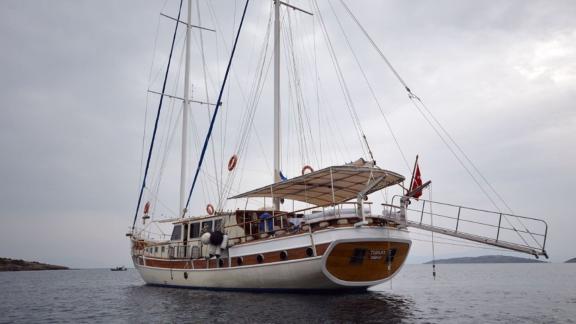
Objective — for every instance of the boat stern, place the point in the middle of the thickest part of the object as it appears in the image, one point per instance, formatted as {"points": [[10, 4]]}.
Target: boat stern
{"points": [[357, 263]]}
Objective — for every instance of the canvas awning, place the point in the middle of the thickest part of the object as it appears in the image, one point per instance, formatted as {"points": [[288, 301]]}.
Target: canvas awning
{"points": [[328, 186]]}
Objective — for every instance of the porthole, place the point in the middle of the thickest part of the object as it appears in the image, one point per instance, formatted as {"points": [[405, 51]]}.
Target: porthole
{"points": [[260, 258], [284, 255], [309, 252], [239, 261], [186, 275]]}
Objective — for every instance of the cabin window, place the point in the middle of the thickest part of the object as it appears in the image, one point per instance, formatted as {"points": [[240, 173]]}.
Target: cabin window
{"points": [[218, 225], [194, 230], [206, 226], [156, 250], [162, 249], [176, 233]]}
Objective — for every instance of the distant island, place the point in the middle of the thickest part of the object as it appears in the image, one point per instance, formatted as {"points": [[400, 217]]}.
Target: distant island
{"points": [[573, 260], [21, 265], [487, 259]]}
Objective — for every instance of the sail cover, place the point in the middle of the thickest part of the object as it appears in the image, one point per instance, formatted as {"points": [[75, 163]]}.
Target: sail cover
{"points": [[328, 186]]}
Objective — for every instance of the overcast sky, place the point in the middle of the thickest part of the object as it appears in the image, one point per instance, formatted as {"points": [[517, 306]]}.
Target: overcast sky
{"points": [[499, 75]]}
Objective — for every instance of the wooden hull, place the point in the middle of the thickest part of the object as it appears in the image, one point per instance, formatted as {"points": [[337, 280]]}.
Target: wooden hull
{"points": [[345, 258]]}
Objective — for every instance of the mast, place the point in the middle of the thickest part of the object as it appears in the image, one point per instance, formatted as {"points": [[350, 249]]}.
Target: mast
{"points": [[185, 109], [276, 98]]}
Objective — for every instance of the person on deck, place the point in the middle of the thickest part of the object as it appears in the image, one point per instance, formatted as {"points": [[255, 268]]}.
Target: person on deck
{"points": [[266, 224]]}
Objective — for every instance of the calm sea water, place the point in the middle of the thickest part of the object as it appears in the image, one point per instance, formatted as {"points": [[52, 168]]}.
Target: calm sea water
{"points": [[510, 293]]}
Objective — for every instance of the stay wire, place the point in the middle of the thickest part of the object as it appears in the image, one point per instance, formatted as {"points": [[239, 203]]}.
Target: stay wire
{"points": [[413, 96], [341, 79], [203, 56], [157, 118], [218, 103], [372, 92], [473, 165]]}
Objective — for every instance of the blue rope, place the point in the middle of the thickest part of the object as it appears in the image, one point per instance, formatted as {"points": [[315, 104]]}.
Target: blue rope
{"points": [[157, 118], [218, 104]]}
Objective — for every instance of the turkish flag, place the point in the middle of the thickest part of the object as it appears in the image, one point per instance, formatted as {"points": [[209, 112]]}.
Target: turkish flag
{"points": [[417, 182]]}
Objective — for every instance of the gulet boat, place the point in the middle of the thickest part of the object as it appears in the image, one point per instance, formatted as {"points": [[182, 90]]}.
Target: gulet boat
{"points": [[338, 240]]}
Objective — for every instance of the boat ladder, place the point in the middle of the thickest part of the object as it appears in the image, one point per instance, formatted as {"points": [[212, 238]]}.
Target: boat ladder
{"points": [[507, 231]]}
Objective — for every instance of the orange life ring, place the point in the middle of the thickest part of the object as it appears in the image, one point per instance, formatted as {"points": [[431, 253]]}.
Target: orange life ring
{"points": [[307, 167], [146, 208], [210, 209], [232, 162]]}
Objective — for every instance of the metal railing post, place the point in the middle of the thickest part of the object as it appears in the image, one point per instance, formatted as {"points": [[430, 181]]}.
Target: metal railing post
{"points": [[458, 218], [499, 222], [422, 213]]}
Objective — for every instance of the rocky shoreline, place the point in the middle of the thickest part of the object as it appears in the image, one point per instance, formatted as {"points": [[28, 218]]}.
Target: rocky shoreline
{"points": [[7, 264]]}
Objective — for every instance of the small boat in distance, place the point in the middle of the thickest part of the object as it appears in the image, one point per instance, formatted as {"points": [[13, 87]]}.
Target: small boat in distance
{"points": [[121, 268]]}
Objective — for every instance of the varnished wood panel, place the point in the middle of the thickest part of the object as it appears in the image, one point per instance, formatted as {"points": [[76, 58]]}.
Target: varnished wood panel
{"points": [[269, 257], [169, 264], [366, 261]]}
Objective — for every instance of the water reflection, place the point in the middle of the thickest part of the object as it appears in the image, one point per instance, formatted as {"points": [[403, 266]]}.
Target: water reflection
{"points": [[170, 304]]}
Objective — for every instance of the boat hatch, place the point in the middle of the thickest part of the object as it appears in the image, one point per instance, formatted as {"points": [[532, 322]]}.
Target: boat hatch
{"points": [[328, 186]]}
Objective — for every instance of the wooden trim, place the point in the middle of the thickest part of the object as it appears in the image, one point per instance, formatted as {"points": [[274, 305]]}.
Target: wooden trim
{"points": [[252, 259], [366, 261]]}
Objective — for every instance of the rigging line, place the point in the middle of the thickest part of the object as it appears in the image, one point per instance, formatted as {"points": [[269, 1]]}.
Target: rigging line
{"points": [[466, 168], [203, 56], [460, 245], [157, 118], [459, 148], [235, 76], [144, 137], [148, 94], [218, 104], [376, 47], [454, 154], [442, 237], [336, 64], [341, 80], [225, 121], [464, 155], [294, 93], [255, 96], [164, 132], [159, 201], [413, 96], [301, 103], [303, 58], [316, 81], [257, 88], [167, 138], [370, 88]]}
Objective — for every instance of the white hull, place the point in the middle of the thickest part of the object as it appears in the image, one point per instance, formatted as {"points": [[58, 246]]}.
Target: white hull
{"points": [[301, 274]]}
